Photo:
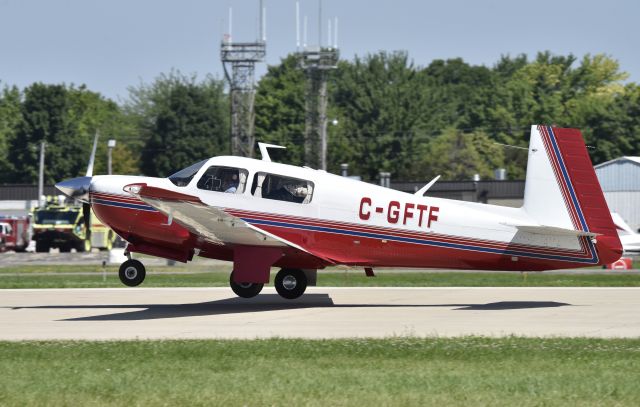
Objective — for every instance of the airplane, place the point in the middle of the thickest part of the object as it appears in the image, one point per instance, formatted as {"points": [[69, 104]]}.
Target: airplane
{"points": [[630, 240], [261, 214]]}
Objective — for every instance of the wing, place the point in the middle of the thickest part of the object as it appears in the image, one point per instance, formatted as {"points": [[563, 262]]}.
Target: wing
{"points": [[211, 223]]}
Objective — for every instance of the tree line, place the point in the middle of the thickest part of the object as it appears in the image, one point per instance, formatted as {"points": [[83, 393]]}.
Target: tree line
{"points": [[385, 114]]}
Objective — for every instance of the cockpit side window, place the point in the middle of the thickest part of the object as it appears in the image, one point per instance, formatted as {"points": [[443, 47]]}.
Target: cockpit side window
{"points": [[223, 179], [281, 188], [184, 176]]}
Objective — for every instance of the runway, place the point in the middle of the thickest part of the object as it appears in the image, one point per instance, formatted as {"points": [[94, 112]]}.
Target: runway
{"points": [[323, 312]]}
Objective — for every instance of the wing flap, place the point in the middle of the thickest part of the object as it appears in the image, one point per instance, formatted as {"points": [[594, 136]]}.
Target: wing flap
{"points": [[213, 223]]}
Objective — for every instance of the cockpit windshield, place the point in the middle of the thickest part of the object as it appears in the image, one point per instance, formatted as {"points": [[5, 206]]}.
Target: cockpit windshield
{"points": [[183, 177]]}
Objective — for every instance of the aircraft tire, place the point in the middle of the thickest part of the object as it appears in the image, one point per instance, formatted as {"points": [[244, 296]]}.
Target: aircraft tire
{"points": [[290, 283], [245, 290], [132, 273]]}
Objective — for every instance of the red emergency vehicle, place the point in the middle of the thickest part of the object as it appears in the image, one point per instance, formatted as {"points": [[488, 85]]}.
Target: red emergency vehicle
{"points": [[15, 233]]}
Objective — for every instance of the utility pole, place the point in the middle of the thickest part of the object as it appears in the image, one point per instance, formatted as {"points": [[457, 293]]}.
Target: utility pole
{"points": [[110, 145], [239, 60], [316, 61], [41, 175]]}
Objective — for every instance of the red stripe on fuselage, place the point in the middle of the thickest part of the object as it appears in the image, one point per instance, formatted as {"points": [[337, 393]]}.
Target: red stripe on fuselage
{"points": [[406, 233]]}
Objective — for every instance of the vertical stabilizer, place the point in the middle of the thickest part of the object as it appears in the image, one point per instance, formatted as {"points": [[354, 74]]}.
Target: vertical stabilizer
{"points": [[562, 189]]}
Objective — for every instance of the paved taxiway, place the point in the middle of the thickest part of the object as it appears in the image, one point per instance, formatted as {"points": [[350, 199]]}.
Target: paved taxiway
{"points": [[323, 312]]}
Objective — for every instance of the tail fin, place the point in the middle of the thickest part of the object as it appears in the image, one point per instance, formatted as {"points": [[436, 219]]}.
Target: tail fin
{"points": [[562, 189]]}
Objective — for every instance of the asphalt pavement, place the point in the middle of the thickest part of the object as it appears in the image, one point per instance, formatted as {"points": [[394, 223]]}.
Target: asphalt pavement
{"points": [[323, 312]]}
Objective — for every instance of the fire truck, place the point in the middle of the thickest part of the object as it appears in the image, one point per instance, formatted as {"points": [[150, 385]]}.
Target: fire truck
{"points": [[69, 226], [15, 233]]}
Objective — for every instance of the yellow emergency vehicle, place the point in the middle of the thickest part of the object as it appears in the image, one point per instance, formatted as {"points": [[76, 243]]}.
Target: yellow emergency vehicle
{"points": [[68, 226]]}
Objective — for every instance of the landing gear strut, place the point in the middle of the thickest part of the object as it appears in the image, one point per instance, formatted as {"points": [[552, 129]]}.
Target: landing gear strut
{"points": [[245, 290], [132, 273], [290, 283]]}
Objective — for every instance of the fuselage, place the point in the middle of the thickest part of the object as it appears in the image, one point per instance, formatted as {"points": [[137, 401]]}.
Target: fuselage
{"points": [[347, 221]]}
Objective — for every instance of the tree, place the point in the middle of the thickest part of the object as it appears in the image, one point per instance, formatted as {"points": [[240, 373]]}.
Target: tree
{"points": [[10, 119], [459, 95], [66, 118], [458, 156], [45, 118], [181, 119], [380, 104], [280, 110]]}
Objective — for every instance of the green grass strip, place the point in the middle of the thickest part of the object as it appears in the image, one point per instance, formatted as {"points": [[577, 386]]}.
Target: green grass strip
{"points": [[355, 372], [68, 277]]}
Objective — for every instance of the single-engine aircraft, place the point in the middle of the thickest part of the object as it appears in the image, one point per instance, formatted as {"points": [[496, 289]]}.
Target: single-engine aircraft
{"points": [[629, 239], [261, 214]]}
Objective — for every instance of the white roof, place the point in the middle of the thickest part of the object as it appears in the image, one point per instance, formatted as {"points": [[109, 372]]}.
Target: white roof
{"points": [[630, 158]]}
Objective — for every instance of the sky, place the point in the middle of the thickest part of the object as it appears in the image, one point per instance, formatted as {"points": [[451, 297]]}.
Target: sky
{"points": [[111, 45]]}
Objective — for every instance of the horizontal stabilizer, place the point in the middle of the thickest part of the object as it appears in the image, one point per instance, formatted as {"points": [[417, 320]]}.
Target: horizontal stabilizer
{"points": [[554, 231]]}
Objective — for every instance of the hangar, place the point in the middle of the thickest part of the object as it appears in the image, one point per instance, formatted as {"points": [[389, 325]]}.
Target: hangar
{"points": [[620, 182]]}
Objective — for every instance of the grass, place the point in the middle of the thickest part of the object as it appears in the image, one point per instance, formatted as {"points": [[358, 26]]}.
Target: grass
{"points": [[395, 371], [218, 276]]}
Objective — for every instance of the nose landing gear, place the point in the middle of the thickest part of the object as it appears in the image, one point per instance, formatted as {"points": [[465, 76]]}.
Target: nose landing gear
{"points": [[132, 273]]}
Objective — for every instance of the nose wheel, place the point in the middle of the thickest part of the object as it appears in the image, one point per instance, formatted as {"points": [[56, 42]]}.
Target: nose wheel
{"points": [[290, 283], [245, 290], [132, 273]]}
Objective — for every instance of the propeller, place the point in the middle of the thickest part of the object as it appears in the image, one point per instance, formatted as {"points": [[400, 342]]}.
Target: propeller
{"points": [[92, 157], [86, 213], [78, 188]]}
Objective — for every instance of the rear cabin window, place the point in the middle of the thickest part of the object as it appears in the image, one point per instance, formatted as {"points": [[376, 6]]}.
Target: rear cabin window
{"points": [[281, 188], [223, 179]]}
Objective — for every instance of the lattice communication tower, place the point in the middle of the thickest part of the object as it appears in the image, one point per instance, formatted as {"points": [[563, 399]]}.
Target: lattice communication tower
{"points": [[239, 60], [317, 62]]}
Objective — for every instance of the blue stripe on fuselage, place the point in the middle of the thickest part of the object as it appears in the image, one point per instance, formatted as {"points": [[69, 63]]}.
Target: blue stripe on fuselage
{"points": [[140, 207], [415, 241]]}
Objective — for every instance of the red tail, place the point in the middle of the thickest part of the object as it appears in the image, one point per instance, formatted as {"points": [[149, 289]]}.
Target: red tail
{"points": [[585, 187]]}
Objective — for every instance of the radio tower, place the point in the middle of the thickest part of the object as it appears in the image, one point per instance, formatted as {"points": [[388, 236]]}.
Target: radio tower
{"points": [[240, 59], [316, 61]]}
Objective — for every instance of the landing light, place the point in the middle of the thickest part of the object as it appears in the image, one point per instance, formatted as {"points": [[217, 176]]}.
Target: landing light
{"points": [[133, 188]]}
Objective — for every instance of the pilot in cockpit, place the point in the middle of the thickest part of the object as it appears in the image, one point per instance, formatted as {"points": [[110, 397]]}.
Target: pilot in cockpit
{"points": [[230, 182]]}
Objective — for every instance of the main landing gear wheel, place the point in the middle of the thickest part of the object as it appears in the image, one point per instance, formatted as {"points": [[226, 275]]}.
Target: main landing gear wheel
{"points": [[132, 273], [290, 283], [245, 290]]}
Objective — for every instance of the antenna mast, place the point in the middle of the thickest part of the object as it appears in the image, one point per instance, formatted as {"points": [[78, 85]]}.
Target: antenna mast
{"points": [[239, 60], [317, 61]]}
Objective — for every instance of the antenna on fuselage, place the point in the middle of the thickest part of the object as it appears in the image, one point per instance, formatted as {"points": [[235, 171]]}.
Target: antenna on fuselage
{"points": [[425, 188], [264, 152]]}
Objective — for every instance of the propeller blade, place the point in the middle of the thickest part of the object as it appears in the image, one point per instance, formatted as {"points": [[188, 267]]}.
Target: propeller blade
{"points": [[92, 157], [86, 213]]}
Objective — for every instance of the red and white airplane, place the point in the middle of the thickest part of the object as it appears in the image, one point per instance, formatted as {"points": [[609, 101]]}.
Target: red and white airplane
{"points": [[629, 239], [260, 214]]}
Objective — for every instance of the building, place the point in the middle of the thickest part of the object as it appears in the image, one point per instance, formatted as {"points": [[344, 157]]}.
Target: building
{"points": [[19, 199], [505, 193], [620, 181]]}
